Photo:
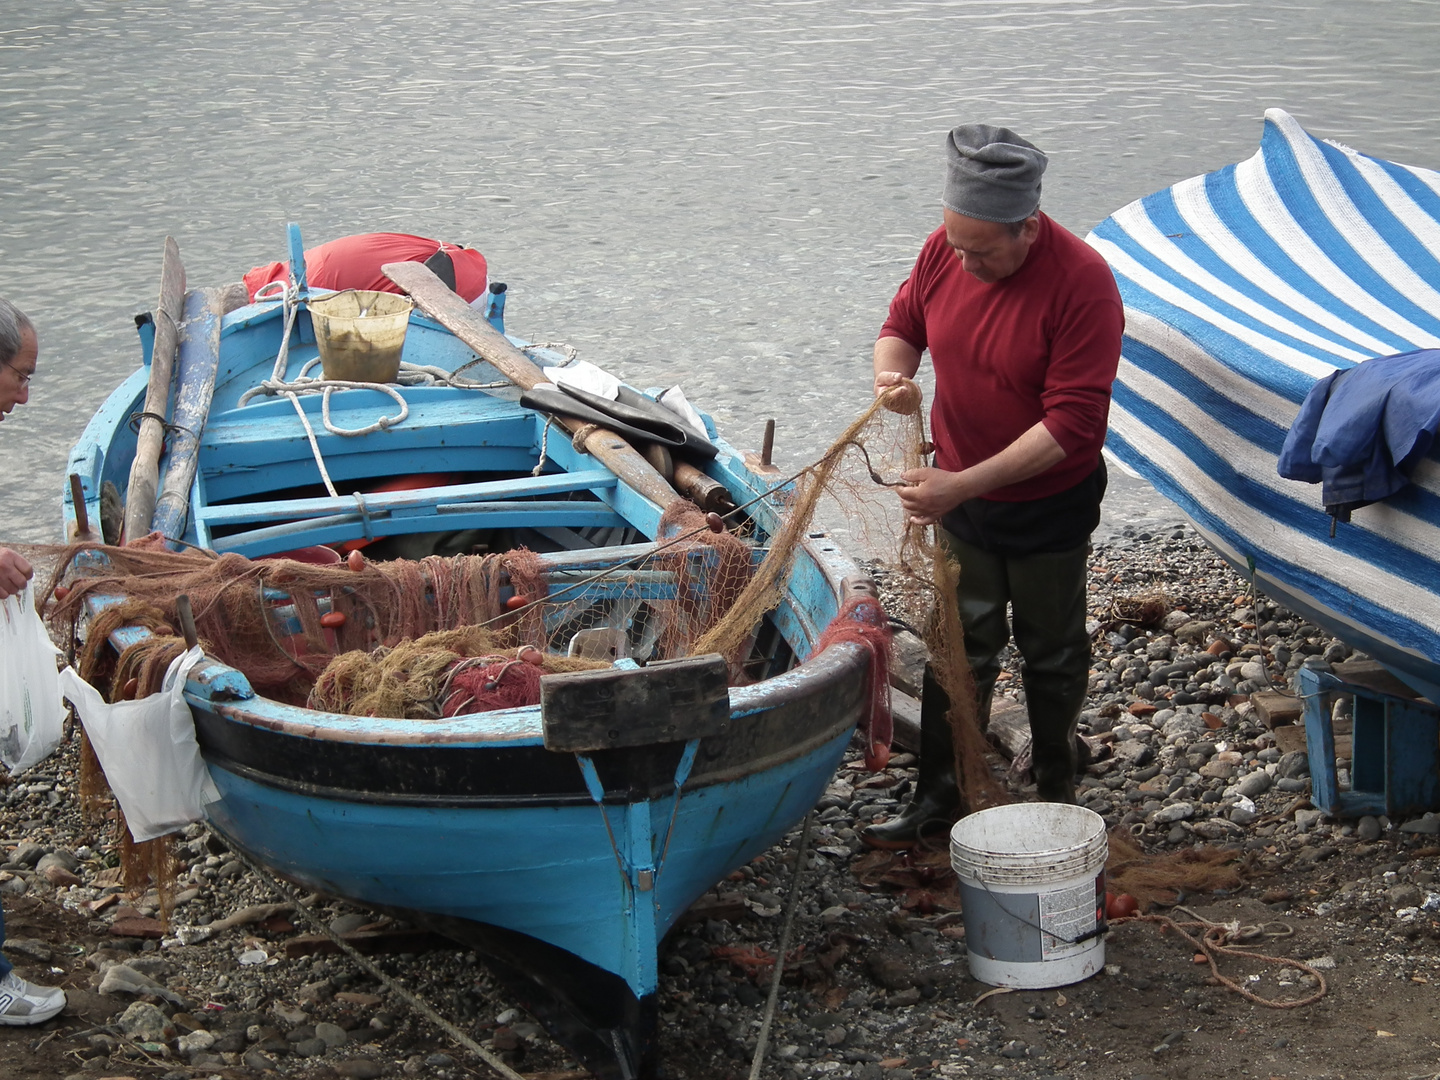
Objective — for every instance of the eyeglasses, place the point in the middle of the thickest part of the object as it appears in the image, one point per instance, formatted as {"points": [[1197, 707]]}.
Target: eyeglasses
{"points": [[23, 376]]}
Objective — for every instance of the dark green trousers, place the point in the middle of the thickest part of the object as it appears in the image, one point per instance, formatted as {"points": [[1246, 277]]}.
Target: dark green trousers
{"points": [[1040, 599]]}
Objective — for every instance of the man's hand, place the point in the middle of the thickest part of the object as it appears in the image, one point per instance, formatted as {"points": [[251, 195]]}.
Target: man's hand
{"points": [[930, 494], [884, 380], [14, 573], [895, 359]]}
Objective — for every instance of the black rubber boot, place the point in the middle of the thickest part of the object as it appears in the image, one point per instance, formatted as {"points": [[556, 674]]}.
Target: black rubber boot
{"points": [[936, 799], [1048, 595]]}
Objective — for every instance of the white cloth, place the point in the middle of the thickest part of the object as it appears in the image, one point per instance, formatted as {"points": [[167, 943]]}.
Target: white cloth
{"points": [[584, 375], [674, 399]]}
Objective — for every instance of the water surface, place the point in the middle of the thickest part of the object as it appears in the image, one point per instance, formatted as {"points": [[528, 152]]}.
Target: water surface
{"points": [[723, 197]]}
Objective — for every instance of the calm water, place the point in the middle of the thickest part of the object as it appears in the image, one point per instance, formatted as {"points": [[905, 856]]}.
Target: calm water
{"points": [[723, 200]]}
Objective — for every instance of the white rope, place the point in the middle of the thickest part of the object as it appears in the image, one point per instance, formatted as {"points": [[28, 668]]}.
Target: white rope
{"points": [[802, 849], [565, 349], [304, 383], [544, 447]]}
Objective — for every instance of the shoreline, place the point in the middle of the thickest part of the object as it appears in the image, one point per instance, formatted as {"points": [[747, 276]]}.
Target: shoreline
{"points": [[877, 987]]}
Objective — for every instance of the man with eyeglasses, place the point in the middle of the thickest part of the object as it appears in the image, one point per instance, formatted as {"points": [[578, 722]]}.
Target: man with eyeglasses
{"points": [[19, 351], [21, 1003]]}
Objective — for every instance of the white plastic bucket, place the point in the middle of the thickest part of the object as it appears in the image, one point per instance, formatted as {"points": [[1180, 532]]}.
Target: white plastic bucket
{"points": [[1032, 886]]}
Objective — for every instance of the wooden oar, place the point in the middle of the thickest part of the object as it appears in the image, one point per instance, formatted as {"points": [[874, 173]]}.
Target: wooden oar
{"points": [[198, 358], [433, 298], [145, 468]]}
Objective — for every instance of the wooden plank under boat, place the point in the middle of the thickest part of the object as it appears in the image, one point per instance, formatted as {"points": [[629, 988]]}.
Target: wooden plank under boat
{"points": [[1242, 288], [565, 868]]}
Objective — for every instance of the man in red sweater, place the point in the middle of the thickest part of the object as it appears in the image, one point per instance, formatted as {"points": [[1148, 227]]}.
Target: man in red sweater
{"points": [[1023, 322]]}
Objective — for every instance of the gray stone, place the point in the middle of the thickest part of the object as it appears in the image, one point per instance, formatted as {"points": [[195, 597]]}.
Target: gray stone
{"points": [[194, 1043], [31, 947], [144, 1022], [1255, 783], [1174, 621], [348, 923], [232, 1042], [1293, 765], [1180, 811], [27, 854], [258, 1062], [316, 992], [360, 1069], [1429, 825], [1194, 632], [290, 1015], [333, 1034], [1291, 786], [1305, 820], [1368, 829], [1133, 753], [1403, 896], [59, 857], [1184, 723], [1241, 816], [309, 1048], [1254, 671]]}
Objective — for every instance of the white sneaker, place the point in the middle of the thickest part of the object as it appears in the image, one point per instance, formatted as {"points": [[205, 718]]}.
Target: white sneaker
{"points": [[25, 1003]]}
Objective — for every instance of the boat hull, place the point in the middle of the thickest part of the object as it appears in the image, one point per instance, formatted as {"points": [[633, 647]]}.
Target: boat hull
{"points": [[1242, 289], [567, 897], [565, 869]]}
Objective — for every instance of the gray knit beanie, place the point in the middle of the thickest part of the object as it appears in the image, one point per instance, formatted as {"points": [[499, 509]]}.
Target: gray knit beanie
{"points": [[991, 173]]}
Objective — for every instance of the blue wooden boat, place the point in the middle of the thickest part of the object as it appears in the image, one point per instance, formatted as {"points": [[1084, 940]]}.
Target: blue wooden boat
{"points": [[1242, 288], [562, 855]]}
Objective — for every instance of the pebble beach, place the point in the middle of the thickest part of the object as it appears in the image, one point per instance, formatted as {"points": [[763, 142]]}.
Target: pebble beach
{"points": [[243, 979]]}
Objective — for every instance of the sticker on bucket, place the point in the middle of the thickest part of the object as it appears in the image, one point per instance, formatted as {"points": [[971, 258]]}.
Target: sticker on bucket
{"points": [[1067, 916]]}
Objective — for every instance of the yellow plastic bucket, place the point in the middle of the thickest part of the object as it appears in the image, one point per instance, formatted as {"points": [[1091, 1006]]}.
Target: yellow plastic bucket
{"points": [[361, 334]]}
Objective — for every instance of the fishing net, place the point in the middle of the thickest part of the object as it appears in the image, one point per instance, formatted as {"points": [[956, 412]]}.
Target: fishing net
{"points": [[443, 636]]}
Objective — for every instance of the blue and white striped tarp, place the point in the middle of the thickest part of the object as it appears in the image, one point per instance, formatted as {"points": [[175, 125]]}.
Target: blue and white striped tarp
{"points": [[1241, 289]]}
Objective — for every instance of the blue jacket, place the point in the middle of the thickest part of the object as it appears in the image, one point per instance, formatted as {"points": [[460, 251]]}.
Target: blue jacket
{"points": [[1360, 431]]}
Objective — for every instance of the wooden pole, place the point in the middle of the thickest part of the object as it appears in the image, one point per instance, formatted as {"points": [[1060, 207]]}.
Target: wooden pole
{"points": [[145, 468], [197, 359], [702, 489], [82, 515], [187, 620], [450, 311]]}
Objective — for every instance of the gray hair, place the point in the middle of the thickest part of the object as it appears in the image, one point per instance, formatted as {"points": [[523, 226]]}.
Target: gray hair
{"points": [[1015, 228], [13, 324]]}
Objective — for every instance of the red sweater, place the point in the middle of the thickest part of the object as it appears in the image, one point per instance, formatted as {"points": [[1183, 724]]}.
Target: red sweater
{"points": [[1039, 345], [354, 262]]}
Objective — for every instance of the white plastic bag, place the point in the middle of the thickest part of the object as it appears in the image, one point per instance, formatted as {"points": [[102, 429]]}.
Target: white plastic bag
{"points": [[32, 712], [148, 751]]}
